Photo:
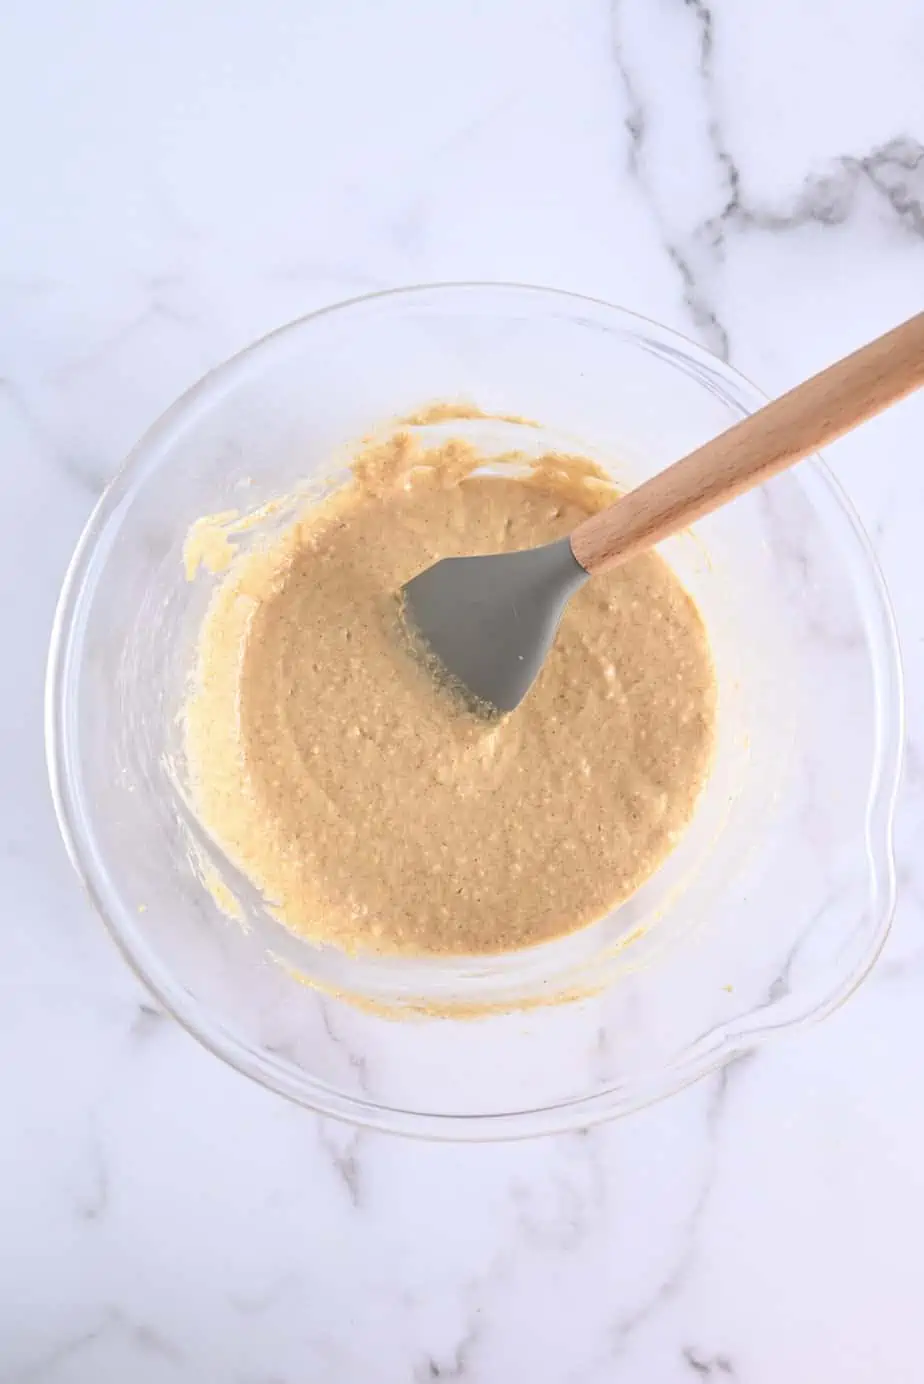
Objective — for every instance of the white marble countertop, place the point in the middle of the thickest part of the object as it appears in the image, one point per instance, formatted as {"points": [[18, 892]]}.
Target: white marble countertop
{"points": [[176, 179]]}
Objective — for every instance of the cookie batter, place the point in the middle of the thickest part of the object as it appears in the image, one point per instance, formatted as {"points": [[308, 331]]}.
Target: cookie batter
{"points": [[372, 807]]}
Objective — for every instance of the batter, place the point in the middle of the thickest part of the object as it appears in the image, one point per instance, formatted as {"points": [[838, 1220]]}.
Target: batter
{"points": [[374, 809]]}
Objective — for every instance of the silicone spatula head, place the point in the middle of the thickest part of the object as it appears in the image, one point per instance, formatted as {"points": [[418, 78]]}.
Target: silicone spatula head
{"points": [[488, 622]]}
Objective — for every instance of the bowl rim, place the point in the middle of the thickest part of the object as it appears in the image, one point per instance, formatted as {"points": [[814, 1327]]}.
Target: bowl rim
{"points": [[719, 1046]]}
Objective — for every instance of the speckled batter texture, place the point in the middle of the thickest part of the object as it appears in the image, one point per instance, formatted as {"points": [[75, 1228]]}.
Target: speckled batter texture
{"points": [[373, 808]]}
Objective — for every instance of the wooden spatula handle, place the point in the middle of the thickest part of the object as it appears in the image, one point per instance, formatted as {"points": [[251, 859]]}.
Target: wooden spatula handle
{"points": [[785, 431]]}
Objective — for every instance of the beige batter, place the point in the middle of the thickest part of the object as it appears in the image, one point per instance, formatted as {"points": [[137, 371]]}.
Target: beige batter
{"points": [[373, 808]]}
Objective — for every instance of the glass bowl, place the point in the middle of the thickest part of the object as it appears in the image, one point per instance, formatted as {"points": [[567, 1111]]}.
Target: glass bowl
{"points": [[769, 913]]}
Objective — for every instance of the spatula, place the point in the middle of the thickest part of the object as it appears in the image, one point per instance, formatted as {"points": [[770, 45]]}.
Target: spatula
{"points": [[489, 621]]}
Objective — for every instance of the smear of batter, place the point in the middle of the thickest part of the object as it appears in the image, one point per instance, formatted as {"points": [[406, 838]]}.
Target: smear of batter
{"points": [[373, 809]]}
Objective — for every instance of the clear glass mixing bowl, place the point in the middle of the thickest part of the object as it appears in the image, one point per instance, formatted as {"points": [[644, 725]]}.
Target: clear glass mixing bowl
{"points": [[779, 897]]}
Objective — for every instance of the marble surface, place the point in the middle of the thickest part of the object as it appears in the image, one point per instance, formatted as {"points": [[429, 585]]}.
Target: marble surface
{"points": [[176, 180]]}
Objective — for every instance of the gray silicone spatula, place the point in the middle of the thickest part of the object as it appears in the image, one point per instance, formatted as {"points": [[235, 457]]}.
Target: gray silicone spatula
{"points": [[489, 621]]}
